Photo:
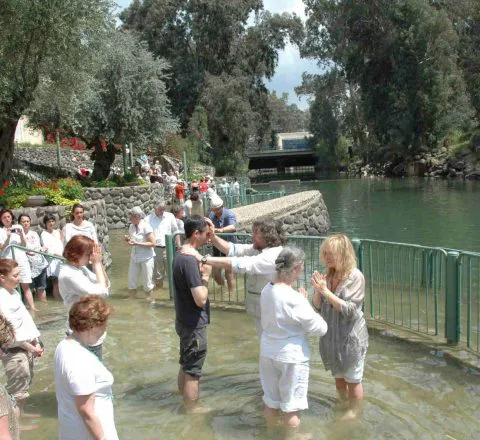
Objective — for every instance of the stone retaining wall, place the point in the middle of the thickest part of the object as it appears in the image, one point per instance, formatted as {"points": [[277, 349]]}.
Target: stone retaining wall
{"points": [[95, 211], [302, 213], [71, 160], [119, 200]]}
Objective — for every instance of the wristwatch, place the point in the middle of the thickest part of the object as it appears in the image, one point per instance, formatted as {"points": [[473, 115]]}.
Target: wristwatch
{"points": [[204, 259]]}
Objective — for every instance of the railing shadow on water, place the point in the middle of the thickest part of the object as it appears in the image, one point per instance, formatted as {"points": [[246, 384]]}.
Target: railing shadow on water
{"points": [[429, 290]]}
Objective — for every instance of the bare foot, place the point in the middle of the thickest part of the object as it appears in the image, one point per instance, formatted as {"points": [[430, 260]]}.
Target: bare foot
{"points": [[342, 405], [199, 410], [351, 414], [28, 427], [34, 309], [26, 415]]}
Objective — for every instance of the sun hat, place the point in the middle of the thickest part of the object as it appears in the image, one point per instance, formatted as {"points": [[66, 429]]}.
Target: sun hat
{"points": [[216, 202]]}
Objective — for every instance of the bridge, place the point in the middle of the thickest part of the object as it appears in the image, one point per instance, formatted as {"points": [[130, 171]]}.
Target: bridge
{"points": [[292, 150]]}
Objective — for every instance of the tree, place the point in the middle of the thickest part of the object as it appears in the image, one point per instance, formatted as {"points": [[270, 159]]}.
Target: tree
{"points": [[402, 55], [125, 102], [286, 117], [209, 44], [35, 36]]}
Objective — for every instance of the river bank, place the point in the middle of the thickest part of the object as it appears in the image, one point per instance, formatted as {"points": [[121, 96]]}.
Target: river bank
{"points": [[447, 162]]}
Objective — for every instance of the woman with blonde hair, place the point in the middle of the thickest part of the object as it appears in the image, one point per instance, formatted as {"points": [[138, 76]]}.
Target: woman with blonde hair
{"points": [[339, 295]]}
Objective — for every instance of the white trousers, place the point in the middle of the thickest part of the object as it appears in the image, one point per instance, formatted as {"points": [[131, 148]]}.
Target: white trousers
{"points": [[146, 268], [160, 268]]}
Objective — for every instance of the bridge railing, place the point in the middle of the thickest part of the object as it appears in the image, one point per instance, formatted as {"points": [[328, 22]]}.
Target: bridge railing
{"points": [[430, 290]]}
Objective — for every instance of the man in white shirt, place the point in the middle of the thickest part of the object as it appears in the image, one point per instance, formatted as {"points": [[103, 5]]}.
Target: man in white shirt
{"points": [[257, 260], [162, 223], [236, 190]]}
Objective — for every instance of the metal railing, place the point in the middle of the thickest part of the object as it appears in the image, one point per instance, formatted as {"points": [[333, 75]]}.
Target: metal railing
{"points": [[430, 290], [13, 246], [243, 199]]}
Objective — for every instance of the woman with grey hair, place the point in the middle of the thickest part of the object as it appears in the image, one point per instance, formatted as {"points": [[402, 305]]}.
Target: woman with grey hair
{"points": [[287, 318], [142, 241]]}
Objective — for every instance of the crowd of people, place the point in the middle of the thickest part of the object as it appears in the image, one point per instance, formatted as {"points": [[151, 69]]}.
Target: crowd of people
{"points": [[284, 316]]}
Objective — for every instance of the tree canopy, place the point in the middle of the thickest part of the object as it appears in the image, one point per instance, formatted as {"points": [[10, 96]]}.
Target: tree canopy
{"points": [[217, 60], [43, 38], [401, 65], [123, 102]]}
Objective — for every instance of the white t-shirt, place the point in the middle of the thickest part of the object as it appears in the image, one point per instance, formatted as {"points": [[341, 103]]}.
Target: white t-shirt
{"points": [[287, 319], [78, 372], [193, 208], [86, 228], [260, 267], [74, 282], [12, 307], [166, 224], [52, 242], [139, 233]]}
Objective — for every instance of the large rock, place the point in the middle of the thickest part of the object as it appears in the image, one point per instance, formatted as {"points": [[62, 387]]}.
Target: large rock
{"points": [[297, 212]]}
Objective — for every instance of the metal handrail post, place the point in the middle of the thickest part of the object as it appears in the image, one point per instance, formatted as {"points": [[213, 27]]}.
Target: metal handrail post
{"points": [[169, 248], [452, 298]]}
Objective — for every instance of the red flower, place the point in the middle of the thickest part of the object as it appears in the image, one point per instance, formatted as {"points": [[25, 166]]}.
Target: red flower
{"points": [[6, 184], [1, 192]]}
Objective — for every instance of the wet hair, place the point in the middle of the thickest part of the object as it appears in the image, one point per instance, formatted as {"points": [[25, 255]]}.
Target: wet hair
{"points": [[7, 265], [75, 206], [194, 196], [47, 217], [194, 223], [271, 231], [288, 259], [7, 332], [90, 311], [78, 246], [3, 211], [23, 215], [342, 249]]}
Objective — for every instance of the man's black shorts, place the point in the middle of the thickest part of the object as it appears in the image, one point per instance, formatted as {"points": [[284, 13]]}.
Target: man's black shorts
{"points": [[193, 348]]}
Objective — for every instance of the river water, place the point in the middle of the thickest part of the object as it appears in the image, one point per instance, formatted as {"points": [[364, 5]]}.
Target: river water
{"points": [[410, 392], [429, 212]]}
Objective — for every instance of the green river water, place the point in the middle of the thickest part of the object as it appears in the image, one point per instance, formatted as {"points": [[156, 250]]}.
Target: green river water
{"points": [[429, 212], [410, 393]]}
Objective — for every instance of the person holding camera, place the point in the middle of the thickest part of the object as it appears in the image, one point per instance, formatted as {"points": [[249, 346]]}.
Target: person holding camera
{"points": [[14, 234]]}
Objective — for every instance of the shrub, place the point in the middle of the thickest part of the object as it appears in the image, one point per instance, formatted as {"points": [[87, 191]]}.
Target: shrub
{"points": [[71, 189], [64, 192]]}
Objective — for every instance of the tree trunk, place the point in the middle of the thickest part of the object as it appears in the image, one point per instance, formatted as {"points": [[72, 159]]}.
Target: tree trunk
{"points": [[7, 137], [103, 159]]}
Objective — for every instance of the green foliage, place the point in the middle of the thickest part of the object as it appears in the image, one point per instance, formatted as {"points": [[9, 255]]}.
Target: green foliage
{"points": [[65, 192], [219, 61], [71, 189], [399, 60], [123, 102], [105, 184], [51, 41]]}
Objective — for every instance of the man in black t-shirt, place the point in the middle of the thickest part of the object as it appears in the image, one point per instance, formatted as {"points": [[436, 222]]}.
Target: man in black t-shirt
{"points": [[192, 310]]}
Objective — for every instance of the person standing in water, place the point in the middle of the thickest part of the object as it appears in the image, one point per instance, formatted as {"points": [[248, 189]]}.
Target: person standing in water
{"points": [[192, 310], [339, 296], [287, 320]]}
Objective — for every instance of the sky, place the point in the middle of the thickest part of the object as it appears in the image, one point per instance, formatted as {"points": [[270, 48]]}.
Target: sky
{"points": [[290, 65]]}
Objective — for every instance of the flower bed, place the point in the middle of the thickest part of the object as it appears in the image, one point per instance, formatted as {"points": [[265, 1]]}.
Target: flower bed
{"points": [[64, 192]]}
